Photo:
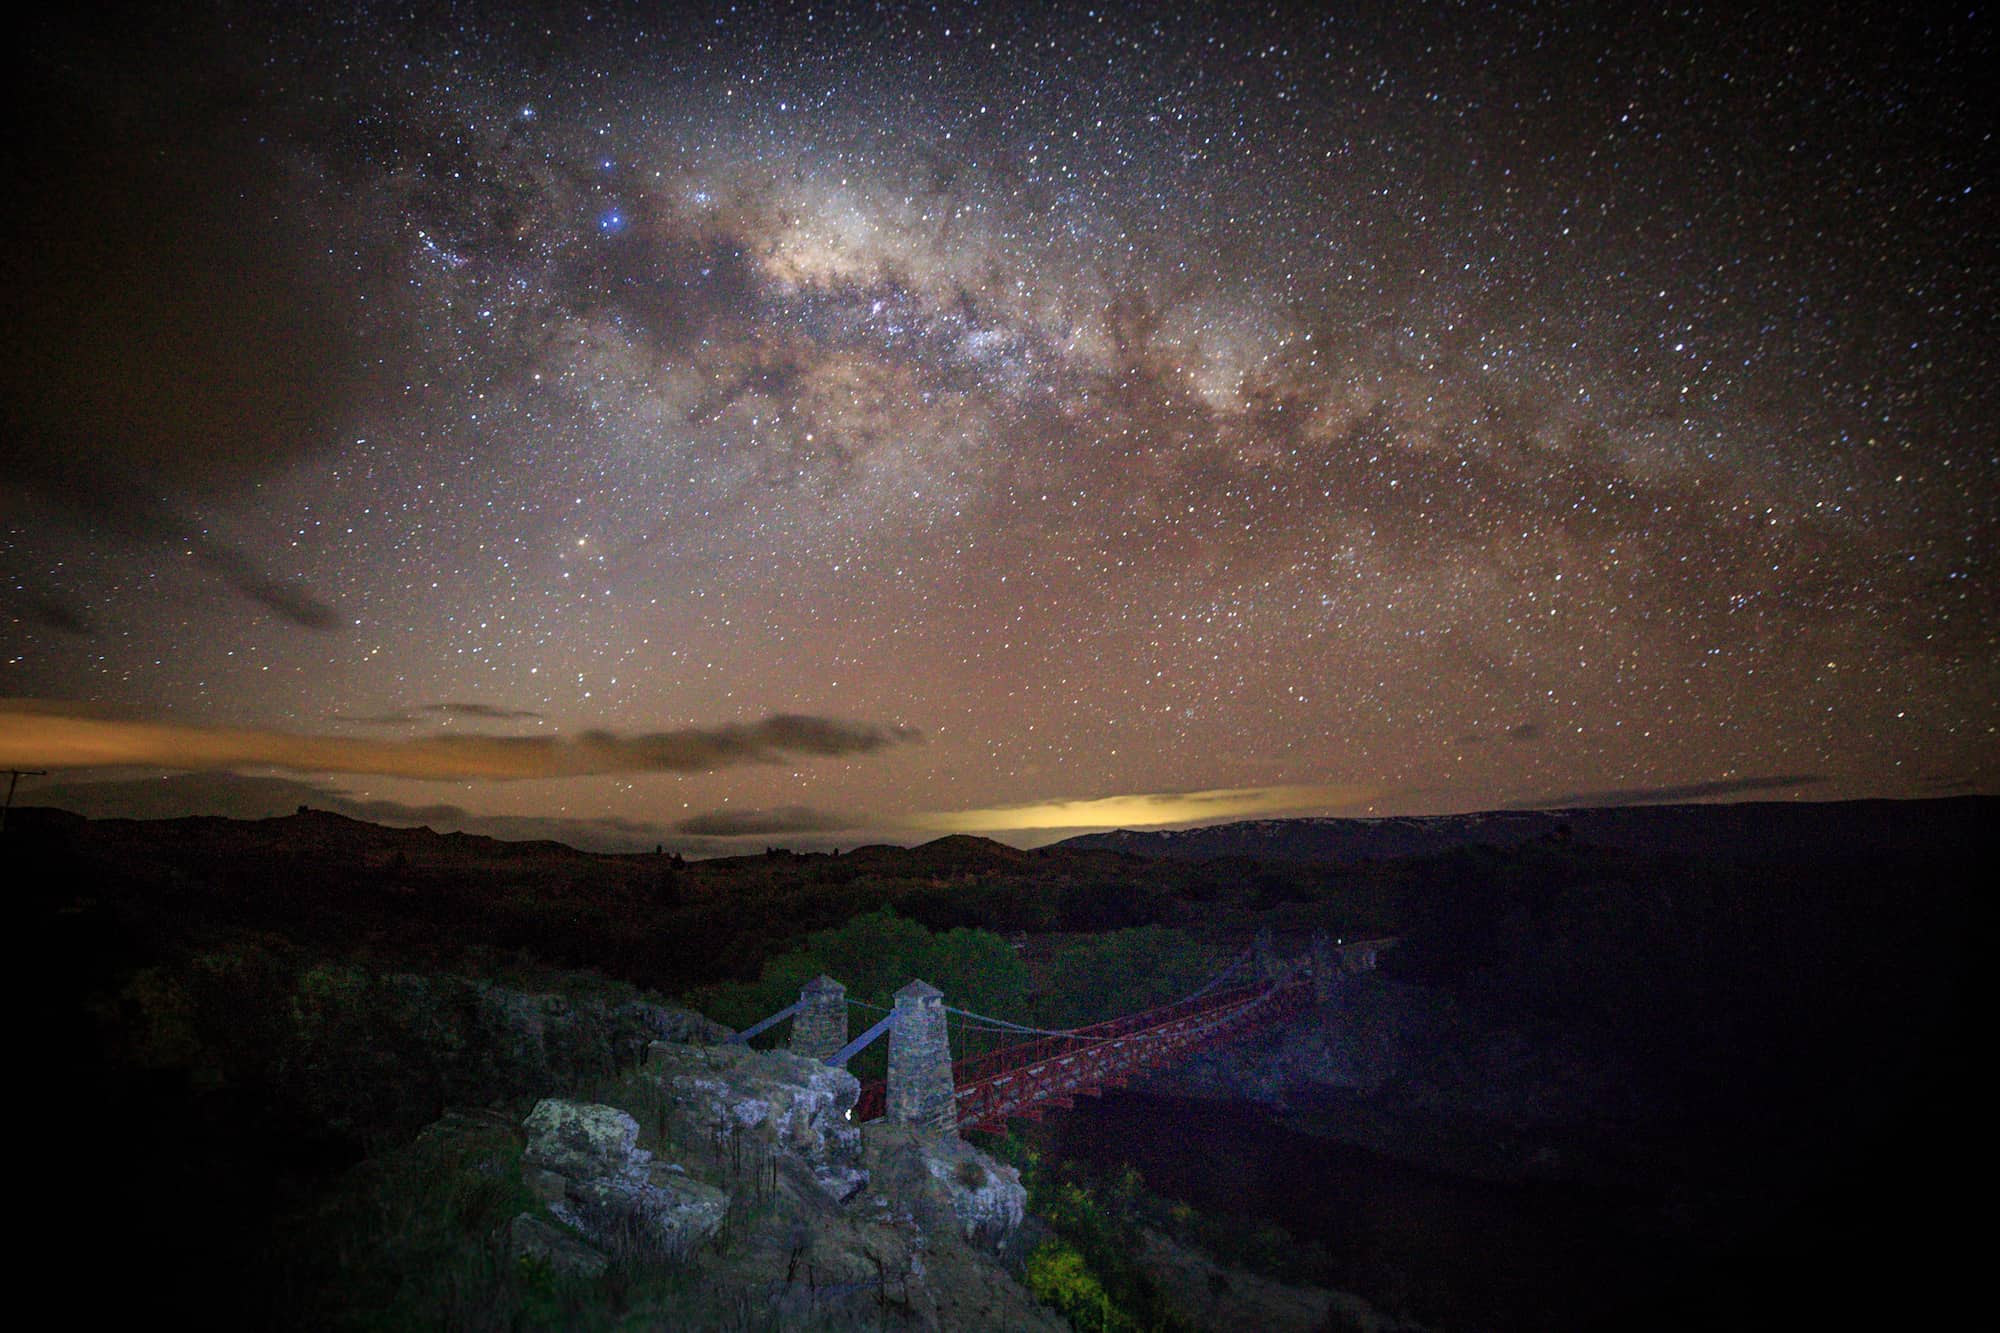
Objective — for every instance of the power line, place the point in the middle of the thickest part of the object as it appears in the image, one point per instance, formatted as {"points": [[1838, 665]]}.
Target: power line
{"points": [[14, 775]]}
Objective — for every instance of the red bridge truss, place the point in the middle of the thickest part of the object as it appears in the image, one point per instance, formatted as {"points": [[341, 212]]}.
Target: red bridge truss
{"points": [[1050, 1072]]}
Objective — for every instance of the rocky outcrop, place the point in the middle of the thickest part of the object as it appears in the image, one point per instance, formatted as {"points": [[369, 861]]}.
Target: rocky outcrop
{"points": [[584, 1160], [580, 1140], [947, 1183], [740, 1171], [530, 1238], [795, 1109], [842, 1226], [540, 1030]]}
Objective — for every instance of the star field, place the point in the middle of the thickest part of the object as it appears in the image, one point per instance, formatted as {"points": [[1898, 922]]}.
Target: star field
{"points": [[1390, 410]]}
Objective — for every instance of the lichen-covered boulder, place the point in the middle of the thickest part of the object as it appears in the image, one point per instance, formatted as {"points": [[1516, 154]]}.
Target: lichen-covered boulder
{"points": [[799, 1106], [581, 1140], [988, 1198], [529, 1237], [584, 1160], [663, 1211], [947, 1181]]}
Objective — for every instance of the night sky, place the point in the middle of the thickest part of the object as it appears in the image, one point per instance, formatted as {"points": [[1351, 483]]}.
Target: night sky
{"points": [[819, 424]]}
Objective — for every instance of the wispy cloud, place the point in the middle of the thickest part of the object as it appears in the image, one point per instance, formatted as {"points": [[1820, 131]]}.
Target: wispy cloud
{"points": [[763, 823], [163, 359], [42, 734], [48, 612], [427, 712], [1691, 791], [488, 712], [1146, 809]]}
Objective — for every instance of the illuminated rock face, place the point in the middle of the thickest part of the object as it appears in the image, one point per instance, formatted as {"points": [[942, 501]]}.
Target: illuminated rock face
{"points": [[790, 1107], [920, 1087], [820, 1027], [529, 1237], [946, 1183], [594, 1176], [581, 1140]]}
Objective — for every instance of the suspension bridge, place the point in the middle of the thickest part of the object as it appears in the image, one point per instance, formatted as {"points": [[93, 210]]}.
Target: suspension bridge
{"points": [[1044, 1069]]}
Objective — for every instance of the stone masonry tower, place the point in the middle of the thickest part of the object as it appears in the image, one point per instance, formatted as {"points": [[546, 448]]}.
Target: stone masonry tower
{"points": [[820, 1026], [920, 1087]]}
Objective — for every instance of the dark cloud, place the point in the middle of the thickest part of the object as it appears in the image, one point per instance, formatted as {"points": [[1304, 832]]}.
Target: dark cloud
{"points": [[783, 819], [283, 598], [1526, 731], [602, 833], [482, 712], [1692, 791], [171, 310], [50, 613], [248, 796], [490, 712], [42, 734]]}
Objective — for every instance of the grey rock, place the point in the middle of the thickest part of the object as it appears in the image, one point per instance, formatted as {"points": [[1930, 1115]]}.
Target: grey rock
{"points": [[841, 1183], [797, 1106], [948, 1182], [987, 1198], [666, 1022], [529, 1237], [582, 1140], [545, 1185], [660, 1212]]}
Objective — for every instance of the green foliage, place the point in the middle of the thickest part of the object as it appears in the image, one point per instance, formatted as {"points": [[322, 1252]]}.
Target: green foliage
{"points": [[1088, 1270], [415, 1238], [983, 971], [1100, 1220], [409, 1234], [1093, 977], [875, 955], [1059, 1276], [361, 1055]]}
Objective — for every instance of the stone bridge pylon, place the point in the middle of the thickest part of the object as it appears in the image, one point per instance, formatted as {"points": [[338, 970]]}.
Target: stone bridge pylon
{"points": [[1047, 1069]]}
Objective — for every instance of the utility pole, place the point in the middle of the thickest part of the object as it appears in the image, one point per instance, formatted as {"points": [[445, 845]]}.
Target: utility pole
{"points": [[14, 775]]}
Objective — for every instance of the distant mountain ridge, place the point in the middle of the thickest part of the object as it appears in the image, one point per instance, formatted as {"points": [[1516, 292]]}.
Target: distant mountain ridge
{"points": [[1798, 831]]}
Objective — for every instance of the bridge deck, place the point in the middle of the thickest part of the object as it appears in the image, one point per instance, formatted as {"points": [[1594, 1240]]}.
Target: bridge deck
{"points": [[1034, 1076]]}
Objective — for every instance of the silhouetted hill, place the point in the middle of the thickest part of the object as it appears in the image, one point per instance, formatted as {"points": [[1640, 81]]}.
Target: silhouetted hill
{"points": [[1796, 832], [955, 853], [331, 883]]}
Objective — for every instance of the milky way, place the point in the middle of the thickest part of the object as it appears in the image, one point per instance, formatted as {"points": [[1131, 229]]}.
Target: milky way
{"points": [[1390, 410]]}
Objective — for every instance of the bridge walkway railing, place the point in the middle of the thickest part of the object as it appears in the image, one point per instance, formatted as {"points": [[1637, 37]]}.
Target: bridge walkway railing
{"points": [[1045, 1072]]}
